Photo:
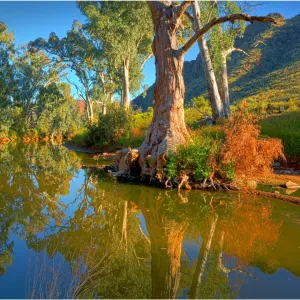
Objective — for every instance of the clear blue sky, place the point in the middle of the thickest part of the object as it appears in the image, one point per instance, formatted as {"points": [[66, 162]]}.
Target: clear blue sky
{"points": [[29, 20]]}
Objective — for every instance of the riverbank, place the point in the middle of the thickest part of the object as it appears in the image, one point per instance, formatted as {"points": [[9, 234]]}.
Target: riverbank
{"points": [[102, 150]]}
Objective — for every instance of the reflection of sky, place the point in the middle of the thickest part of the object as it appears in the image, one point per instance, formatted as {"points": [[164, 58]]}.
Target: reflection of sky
{"points": [[281, 284], [30, 20], [30, 266]]}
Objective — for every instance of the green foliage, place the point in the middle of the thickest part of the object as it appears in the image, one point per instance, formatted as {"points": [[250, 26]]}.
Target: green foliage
{"points": [[57, 115], [229, 170], [116, 123], [194, 157], [285, 127], [6, 68], [222, 37], [198, 111], [124, 30]]}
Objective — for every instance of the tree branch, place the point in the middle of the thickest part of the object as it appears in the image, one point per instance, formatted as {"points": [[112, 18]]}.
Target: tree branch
{"points": [[182, 8], [229, 51], [189, 16], [221, 20], [148, 57]]}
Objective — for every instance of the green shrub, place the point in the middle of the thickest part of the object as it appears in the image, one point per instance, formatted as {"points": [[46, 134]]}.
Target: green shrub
{"points": [[110, 127], [196, 157]]}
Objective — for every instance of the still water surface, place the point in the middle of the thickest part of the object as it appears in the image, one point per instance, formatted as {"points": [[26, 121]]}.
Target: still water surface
{"points": [[67, 232]]}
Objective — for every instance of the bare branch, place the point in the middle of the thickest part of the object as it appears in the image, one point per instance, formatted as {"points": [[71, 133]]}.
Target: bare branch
{"points": [[259, 42], [182, 8], [229, 51], [148, 57], [221, 20]]}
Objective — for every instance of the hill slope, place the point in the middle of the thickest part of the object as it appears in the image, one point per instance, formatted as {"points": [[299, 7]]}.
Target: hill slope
{"points": [[271, 72]]}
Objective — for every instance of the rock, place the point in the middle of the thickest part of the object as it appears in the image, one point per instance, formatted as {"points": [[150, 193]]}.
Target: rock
{"points": [[124, 160], [252, 185], [276, 192], [291, 185]]}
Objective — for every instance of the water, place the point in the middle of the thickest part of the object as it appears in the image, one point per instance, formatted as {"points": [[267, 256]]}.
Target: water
{"points": [[67, 232]]}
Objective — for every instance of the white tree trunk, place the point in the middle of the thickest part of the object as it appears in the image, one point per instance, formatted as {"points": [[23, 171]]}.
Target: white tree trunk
{"points": [[104, 109], [224, 87], [90, 110], [216, 101], [126, 95]]}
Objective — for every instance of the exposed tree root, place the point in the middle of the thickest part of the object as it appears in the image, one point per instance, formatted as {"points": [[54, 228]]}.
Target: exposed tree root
{"points": [[128, 169]]}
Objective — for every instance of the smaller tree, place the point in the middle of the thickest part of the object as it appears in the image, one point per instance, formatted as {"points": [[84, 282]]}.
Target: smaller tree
{"points": [[7, 84]]}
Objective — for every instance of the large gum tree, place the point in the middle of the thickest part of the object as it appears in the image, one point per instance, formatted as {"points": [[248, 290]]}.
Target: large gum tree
{"points": [[167, 129]]}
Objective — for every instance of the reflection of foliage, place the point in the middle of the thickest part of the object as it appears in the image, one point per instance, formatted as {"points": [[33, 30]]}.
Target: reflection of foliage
{"points": [[32, 179], [250, 230], [216, 283], [6, 255], [98, 234], [245, 232], [104, 244]]}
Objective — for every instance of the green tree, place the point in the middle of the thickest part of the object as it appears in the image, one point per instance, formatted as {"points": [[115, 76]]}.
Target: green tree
{"points": [[57, 113], [124, 30], [33, 71], [76, 52]]}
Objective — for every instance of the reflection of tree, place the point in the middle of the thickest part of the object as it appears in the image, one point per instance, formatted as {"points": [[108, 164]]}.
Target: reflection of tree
{"points": [[245, 232], [31, 180], [166, 237], [102, 241]]}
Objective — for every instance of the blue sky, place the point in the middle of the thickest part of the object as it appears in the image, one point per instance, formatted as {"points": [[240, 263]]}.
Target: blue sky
{"points": [[29, 20]]}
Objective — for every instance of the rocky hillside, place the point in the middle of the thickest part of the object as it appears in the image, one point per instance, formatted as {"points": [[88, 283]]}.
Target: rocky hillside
{"points": [[271, 72]]}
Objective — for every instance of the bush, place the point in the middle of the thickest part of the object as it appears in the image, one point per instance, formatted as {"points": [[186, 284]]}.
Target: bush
{"points": [[197, 159], [113, 125], [250, 154]]}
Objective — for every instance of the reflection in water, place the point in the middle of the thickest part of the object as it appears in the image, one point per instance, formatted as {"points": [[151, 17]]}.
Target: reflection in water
{"points": [[90, 237]]}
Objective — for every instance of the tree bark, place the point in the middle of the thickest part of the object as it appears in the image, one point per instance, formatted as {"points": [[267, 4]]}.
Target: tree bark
{"points": [[215, 98], [167, 129], [222, 79], [126, 95]]}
